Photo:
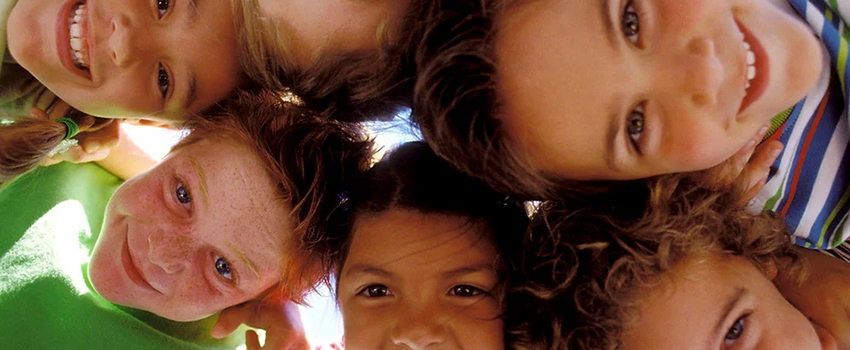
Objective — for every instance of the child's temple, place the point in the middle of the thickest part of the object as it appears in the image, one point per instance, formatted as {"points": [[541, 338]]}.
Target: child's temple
{"points": [[424, 174]]}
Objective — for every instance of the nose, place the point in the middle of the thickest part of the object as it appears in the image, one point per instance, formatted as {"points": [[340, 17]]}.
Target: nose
{"points": [[123, 43], [699, 76], [419, 331], [170, 251]]}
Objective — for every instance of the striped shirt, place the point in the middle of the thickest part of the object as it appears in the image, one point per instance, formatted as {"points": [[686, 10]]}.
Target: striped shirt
{"points": [[810, 184]]}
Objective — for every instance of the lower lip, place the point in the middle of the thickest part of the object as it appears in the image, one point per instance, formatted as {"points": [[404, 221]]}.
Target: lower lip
{"points": [[131, 270], [759, 84], [63, 45]]}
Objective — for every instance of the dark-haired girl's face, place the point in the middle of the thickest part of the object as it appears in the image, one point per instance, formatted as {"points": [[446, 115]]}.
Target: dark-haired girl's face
{"points": [[717, 302], [200, 232], [419, 281]]}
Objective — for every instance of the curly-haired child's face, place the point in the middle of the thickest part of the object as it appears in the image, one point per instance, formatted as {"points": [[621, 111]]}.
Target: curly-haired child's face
{"points": [[128, 58], [200, 232], [419, 281], [721, 302], [626, 89]]}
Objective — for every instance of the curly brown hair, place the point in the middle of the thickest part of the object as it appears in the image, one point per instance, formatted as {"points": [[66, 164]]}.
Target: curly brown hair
{"points": [[312, 159], [580, 279]]}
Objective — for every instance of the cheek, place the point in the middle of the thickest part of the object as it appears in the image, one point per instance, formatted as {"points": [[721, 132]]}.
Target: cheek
{"points": [[481, 333], [364, 329], [698, 148]]}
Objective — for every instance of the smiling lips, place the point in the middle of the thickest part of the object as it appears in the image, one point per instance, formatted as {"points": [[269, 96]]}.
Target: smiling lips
{"points": [[132, 270], [757, 71], [77, 21]]}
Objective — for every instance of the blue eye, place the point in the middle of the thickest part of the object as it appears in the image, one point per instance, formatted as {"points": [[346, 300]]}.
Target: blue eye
{"points": [[223, 268], [162, 7], [375, 291], [465, 291], [735, 332], [183, 195], [163, 81], [631, 23]]}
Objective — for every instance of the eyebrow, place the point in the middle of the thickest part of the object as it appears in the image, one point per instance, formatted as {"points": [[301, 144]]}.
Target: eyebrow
{"points": [[728, 307], [468, 270], [192, 85], [247, 261], [202, 179], [369, 269], [610, 28]]}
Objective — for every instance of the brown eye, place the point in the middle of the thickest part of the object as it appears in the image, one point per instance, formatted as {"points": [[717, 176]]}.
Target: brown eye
{"points": [[631, 23], [465, 291], [163, 81], [375, 291], [162, 7]]}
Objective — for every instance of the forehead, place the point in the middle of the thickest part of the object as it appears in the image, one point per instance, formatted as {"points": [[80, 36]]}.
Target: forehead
{"points": [[209, 54], [686, 306], [410, 240], [556, 88], [234, 193]]}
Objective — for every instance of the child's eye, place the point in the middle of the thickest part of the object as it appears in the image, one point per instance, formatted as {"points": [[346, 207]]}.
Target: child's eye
{"points": [[222, 267], [183, 195], [634, 125], [375, 291], [162, 7], [631, 23], [466, 291], [163, 81], [735, 332]]}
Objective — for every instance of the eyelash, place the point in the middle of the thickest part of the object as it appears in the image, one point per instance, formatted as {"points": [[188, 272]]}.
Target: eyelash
{"points": [[183, 196], [635, 124], [475, 291], [631, 23], [740, 321], [163, 81], [225, 265], [162, 7], [372, 289]]}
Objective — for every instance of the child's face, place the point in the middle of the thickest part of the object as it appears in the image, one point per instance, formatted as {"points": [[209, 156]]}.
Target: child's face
{"points": [[200, 232], [620, 89], [143, 58], [414, 280], [721, 302]]}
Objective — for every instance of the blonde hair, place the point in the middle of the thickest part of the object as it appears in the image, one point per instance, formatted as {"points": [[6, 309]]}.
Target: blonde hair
{"points": [[264, 52]]}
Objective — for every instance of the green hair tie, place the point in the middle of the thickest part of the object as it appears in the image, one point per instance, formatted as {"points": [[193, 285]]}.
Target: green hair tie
{"points": [[71, 127]]}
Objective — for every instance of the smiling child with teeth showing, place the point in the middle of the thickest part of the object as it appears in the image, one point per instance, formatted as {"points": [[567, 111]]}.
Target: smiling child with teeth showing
{"points": [[625, 90]]}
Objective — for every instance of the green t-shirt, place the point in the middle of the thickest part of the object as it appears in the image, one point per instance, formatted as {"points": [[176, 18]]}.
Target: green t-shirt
{"points": [[49, 222]]}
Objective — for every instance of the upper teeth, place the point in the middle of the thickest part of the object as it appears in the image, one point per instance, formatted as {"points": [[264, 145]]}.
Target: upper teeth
{"points": [[76, 35], [751, 61]]}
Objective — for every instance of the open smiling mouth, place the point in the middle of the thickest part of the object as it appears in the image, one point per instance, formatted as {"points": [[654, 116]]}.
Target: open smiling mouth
{"points": [[757, 68], [77, 32]]}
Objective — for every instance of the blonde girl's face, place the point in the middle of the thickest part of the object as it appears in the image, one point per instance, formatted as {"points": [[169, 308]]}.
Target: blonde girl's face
{"points": [[128, 58], [715, 302], [200, 232], [627, 89], [419, 281]]}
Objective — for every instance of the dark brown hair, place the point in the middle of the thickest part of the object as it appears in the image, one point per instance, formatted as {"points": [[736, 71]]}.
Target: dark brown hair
{"points": [[312, 159], [581, 276]]}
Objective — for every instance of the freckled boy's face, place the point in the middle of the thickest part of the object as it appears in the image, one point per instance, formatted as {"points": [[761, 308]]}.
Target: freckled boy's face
{"points": [[419, 281], [200, 232], [720, 302], [128, 58], [628, 89]]}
